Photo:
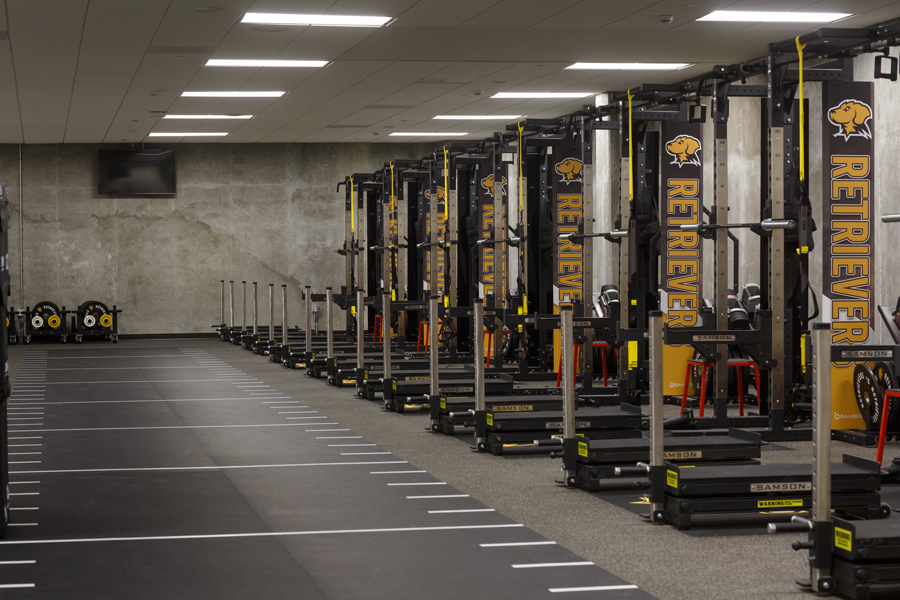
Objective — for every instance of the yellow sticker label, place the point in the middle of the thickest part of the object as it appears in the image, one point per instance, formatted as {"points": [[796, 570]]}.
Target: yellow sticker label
{"points": [[394, 385], [672, 479], [779, 503], [443, 403], [632, 355], [349, 381], [843, 539], [490, 419], [582, 449]]}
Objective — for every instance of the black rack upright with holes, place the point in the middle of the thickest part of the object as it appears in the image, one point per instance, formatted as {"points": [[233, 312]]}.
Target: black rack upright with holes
{"points": [[5, 388]]}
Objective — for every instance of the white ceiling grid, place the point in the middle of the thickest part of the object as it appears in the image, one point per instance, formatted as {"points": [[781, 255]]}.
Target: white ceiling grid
{"points": [[91, 71]]}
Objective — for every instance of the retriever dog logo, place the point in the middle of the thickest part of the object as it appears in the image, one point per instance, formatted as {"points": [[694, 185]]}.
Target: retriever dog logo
{"points": [[488, 184], [570, 169], [851, 118], [685, 149], [440, 193]]}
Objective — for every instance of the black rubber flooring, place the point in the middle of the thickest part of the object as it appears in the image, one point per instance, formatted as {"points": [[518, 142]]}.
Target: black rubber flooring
{"points": [[166, 473]]}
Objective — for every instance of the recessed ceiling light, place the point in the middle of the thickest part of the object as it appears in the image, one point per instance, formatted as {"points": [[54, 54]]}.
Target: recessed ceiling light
{"points": [[233, 94], [208, 117], [587, 66], [430, 134], [222, 62], [186, 134], [541, 95], [751, 16], [478, 117], [322, 20]]}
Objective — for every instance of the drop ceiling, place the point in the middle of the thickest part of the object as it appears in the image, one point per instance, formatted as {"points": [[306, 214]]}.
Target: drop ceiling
{"points": [[104, 71]]}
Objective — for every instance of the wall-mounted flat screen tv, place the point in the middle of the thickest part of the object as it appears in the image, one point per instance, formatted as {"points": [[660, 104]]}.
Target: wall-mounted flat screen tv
{"points": [[137, 172]]}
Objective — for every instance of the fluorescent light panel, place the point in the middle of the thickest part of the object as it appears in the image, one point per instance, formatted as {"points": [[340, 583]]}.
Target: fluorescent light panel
{"points": [[232, 94], [541, 95], [314, 20], [186, 134], [430, 134], [228, 62], [751, 16], [586, 66], [478, 117], [208, 117]]}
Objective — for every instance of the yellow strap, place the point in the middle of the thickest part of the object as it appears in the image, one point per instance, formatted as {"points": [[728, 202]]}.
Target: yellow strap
{"points": [[630, 149], [524, 303], [352, 209], [800, 48], [446, 187], [521, 176]]}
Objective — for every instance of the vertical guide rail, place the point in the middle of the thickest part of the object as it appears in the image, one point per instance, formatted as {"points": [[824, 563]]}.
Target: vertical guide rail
{"points": [[478, 356], [329, 314], [386, 333], [587, 252], [822, 533], [656, 405], [308, 321], [721, 255], [284, 318], [433, 350], [624, 250], [244, 307], [271, 314], [360, 331], [568, 383], [231, 299], [222, 281], [500, 233], [255, 309]]}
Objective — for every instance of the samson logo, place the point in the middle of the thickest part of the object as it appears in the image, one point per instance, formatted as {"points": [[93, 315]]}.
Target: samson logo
{"points": [[457, 389], [851, 118], [839, 416], [715, 338], [682, 455], [866, 354], [685, 149], [789, 486], [570, 169], [513, 408], [578, 425], [440, 193], [488, 184]]}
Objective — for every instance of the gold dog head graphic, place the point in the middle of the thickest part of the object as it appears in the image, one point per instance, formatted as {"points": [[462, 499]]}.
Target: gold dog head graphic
{"points": [[685, 150], [851, 117], [570, 169], [488, 184], [440, 193]]}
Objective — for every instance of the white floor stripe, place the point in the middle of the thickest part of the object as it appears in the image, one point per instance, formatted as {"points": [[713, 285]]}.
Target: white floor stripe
{"points": [[321, 430], [583, 563], [208, 468], [15, 586], [361, 453], [296, 412], [161, 427], [438, 496], [348, 445], [212, 536], [394, 472], [17, 562], [136, 381], [465, 510], [24, 493], [23, 482], [306, 417], [23, 508], [122, 368], [116, 356], [344, 437], [22, 524], [137, 401], [596, 588], [426, 483]]}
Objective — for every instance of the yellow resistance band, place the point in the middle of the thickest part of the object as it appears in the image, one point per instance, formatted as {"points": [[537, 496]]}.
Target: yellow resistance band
{"points": [[800, 48], [446, 187], [352, 209], [630, 150]]}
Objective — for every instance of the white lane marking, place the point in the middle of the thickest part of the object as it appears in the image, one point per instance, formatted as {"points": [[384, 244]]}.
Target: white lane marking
{"points": [[361, 453], [23, 482], [22, 524], [509, 544], [23, 508], [24, 462], [297, 412], [24, 493], [282, 402], [34, 437], [24, 445], [116, 356], [343, 437], [32, 453], [596, 588], [219, 380], [306, 417], [25, 418], [320, 430], [17, 562], [582, 563], [210, 468], [465, 510], [138, 401], [160, 427], [393, 472], [210, 536], [426, 483], [438, 496], [348, 445], [285, 406], [122, 368], [15, 586]]}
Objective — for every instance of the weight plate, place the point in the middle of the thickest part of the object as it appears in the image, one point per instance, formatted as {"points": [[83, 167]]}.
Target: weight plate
{"points": [[37, 321], [89, 320], [884, 373], [54, 321], [868, 396]]}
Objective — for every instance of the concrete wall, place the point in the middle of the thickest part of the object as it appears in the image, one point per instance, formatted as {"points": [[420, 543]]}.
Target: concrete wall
{"points": [[260, 212]]}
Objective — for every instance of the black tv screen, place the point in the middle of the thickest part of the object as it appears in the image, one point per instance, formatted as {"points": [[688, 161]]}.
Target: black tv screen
{"points": [[137, 172]]}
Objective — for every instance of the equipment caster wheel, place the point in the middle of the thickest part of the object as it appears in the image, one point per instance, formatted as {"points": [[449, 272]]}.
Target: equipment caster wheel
{"points": [[77, 339], [27, 339]]}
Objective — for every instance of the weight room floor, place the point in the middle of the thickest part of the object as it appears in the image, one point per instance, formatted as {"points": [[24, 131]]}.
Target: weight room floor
{"points": [[161, 475]]}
